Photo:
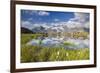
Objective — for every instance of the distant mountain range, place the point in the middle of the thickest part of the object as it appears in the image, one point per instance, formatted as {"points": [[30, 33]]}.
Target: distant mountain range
{"points": [[44, 29], [26, 30]]}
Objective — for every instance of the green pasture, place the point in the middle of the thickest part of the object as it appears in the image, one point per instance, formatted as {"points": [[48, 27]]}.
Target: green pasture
{"points": [[38, 53]]}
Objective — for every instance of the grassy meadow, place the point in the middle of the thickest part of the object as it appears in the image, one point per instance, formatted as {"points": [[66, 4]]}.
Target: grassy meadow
{"points": [[38, 53]]}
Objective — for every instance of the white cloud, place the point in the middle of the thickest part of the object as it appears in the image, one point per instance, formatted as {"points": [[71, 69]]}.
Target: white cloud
{"points": [[56, 19], [43, 13], [86, 25], [79, 20], [35, 12], [73, 24], [31, 12], [30, 25], [30, 19], [26, 24], [80, 17]]}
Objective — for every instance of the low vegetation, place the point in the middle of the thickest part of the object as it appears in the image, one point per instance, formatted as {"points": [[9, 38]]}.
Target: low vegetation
{"points": [[42, 54], [38, 53], [27, 37]]}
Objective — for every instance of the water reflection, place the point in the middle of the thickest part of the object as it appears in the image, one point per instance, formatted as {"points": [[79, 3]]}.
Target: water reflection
{"points": [[68, 43]]}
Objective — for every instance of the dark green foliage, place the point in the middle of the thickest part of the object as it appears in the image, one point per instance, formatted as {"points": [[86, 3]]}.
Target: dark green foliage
{"points": [[25, 30]]}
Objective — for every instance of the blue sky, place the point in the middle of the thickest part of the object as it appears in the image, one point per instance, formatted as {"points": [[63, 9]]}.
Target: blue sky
{"points": [[32, 17], [45, 16]]}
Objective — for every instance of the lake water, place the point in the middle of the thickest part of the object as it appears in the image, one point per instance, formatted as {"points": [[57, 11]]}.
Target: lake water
{"points": [[60, 42]]}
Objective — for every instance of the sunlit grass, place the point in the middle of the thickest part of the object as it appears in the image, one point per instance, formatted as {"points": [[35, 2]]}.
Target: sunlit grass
{"points": [[68, 43], [40, 54], [43, 54], [27, 37]]}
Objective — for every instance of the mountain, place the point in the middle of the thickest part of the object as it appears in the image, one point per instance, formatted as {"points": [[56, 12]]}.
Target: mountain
{"points": [[43, 28], [86, 30], [39, 29], [25, 30]]}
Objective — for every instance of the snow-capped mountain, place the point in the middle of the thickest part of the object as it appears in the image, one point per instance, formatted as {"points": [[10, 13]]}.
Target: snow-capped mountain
{"points": [[62, 26]]}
